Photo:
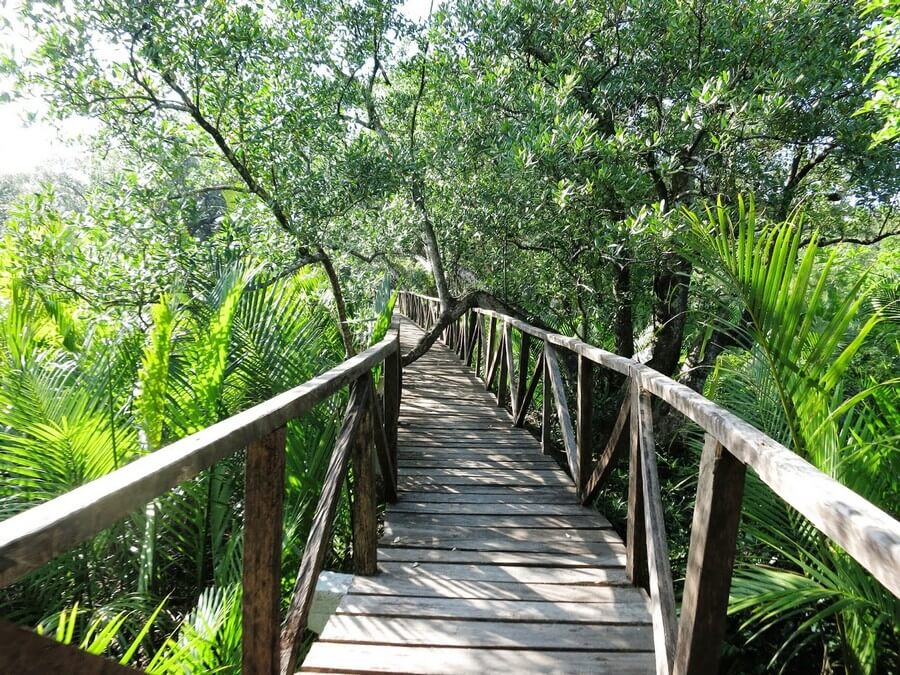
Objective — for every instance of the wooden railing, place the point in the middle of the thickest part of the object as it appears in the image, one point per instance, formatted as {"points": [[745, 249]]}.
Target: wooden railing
{"points": [[269, 645], [691, 644]]}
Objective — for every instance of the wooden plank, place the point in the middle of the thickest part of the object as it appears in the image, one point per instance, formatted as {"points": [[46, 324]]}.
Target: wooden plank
{"points": [[430, 586], [316, 545], [490, 352], [521, 559], [584, 420], [403, 530], [501, 478], [662, 594], [510, 368], [263, 517], [546, 407], [386, 462], [393, 388], [717, 513], [544, 472], [331, 657], [632, 612], [529, 393], [27, 653], [427, 540], [562, 408], [363, 500], [481, 488], [615, 448], [485, 509], [522, 377], [568, 576], [636, 537], [31, 538], [547, 498], [503, 375], [350, 628], [534, 522], [450, 462]]}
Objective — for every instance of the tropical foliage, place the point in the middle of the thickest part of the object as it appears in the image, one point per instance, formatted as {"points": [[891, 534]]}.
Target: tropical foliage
{"points": [[265, 174]]}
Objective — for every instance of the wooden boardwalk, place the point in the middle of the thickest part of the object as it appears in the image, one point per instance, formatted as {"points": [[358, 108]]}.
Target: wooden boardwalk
{"points": [[487, 562]]}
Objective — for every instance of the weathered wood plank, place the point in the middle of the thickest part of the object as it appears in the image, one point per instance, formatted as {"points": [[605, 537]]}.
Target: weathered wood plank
{"points": [[547, 497], [263, 514], [585, 424], [522, 377], [662, 594], [427, 540], [570, 576], [351, 628], [510, 369], [404, 530], [494, 509], [622, 610], [387, 461], [546, 406], [615, 448], [635, 536], [717, 513], [330, 657], [536, 378], [430, 586], [314, 553], [514, 521], [363, 500], [562, 408], [610, 558]]}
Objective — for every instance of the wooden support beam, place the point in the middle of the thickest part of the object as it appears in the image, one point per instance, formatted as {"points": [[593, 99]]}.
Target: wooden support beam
{"points": [[24, 652], [510, 368], [364, 499], [562, 409], [522, 379], [536, 377], [662, 594], [479, 347], [584, 422], [320, 532], [503, 370], [491, 356], [714, 531], [546, 405], [393, 388], [386, 461], [263, 528], [635, 534], [615, 448]]}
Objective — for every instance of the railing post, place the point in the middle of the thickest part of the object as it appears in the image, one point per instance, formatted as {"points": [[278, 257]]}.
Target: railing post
{"points": [[504, 374], [365, 520], [585, 422], [636, 535], [479, 342], [522, 382], [546, 406], [263, 528], [393, 387], [717, 514]]}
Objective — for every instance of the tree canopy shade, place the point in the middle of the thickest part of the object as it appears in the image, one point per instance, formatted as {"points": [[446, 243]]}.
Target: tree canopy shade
{"points": [[552, 159]]}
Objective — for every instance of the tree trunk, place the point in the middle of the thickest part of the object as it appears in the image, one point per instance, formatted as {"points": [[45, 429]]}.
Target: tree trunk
{"points": [[339, 303], [670, 285], [431, 246]]}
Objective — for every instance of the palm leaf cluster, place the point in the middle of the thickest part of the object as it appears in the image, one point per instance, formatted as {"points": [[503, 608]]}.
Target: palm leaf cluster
{"points": [[79, 398], [792, 383]]}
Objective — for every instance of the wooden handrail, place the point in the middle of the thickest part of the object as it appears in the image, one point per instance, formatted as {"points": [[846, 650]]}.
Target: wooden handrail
{"points": [[865, 532], [31, 538]]}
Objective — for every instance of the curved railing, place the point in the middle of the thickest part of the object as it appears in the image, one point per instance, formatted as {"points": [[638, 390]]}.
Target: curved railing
{"points": [[692, 644], [43, 532]]}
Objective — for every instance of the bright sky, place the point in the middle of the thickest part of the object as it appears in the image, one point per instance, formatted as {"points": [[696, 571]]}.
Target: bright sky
{"points": [[26, 146]]}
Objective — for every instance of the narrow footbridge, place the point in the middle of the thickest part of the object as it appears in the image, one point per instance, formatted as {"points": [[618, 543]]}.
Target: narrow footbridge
{"points": [[486, 559]]}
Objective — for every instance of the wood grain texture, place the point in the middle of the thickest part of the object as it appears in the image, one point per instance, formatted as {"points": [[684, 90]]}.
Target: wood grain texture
{"points": [[486, 548], [662, 594], [614, 449], [636, 536], [717, 513], [263, 514], [316, 544], [562, 409], [585, 425]]}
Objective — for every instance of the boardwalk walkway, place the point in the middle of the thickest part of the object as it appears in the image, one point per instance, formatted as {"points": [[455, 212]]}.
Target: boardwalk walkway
{"points": [[487, 563]]}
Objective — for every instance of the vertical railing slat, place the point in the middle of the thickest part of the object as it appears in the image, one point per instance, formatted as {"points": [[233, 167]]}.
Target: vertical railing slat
{"points": [[263, 513]]}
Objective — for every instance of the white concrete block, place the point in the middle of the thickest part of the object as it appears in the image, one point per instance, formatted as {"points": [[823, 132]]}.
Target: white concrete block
{"points": [[331, 587]]}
